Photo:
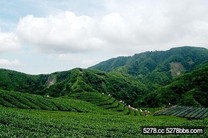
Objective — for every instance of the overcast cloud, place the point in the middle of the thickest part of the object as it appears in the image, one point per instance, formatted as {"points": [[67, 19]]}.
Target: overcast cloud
{"points": [[9, 42], [84, 33]]}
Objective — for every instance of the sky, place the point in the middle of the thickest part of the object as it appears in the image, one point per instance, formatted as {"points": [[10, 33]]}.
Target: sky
{"points": [[45, 36]]}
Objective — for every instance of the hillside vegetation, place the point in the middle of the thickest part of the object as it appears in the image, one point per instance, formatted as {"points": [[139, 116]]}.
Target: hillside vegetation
{"points": [[17, 81], [188, 89]]}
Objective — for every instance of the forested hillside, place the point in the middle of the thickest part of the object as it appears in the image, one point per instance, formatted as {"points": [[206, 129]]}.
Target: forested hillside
{"points": [[157, 68]]}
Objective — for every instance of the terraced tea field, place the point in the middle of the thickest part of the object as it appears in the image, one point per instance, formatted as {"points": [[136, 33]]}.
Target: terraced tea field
{"points": [[106, 102], [30, 101], [80, 115], [186, 112]]}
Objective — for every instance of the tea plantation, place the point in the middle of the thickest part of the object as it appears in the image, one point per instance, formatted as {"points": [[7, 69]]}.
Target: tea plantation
{"points": [[105, 101], [85, 114], [31, 101], [42, 123], [84, 102]]}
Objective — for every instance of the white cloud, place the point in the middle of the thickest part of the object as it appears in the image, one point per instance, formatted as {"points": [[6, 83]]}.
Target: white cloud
{"points": [[80, 35], [10, 63], [162, 24], [126, 28], [9, 42], [62, 33], [114, 29]]}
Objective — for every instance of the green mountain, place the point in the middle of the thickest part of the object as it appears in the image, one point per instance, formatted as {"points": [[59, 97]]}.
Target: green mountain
{"points": [[156, 68], [64, 83], [189, 89]]}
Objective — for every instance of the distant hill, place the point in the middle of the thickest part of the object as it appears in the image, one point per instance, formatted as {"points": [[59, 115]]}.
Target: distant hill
{"points": [[156, 68], [188, 89], [63, 83]]}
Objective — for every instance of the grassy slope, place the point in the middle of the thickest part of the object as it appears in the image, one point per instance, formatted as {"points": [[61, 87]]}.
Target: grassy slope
{"points": [[35, 123]]}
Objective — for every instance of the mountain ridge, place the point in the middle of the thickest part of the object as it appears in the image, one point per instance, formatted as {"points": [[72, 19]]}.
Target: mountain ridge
{"points": [[144, 73], [156, 66]]}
